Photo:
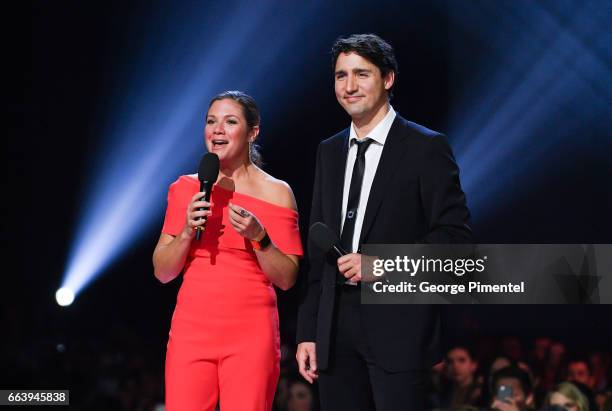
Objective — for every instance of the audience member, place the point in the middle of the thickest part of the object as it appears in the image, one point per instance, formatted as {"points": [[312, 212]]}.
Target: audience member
{"points": [[300, 397], [513, 390], [567, 395], [461, 386]]}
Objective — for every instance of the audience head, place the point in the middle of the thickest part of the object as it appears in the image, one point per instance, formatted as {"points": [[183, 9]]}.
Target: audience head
{"points": [[541, 345], [499, 362], [512, 347], [517, 383], [567, 395], [461, 365], [300, 397], [556, 354], [578, 370]]}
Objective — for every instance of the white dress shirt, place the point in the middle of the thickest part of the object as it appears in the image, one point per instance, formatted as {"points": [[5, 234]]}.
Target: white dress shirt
{"points": [[372, 157]]}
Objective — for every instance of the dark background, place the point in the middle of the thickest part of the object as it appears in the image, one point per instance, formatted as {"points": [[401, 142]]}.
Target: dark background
{"points": [[69, 65]]}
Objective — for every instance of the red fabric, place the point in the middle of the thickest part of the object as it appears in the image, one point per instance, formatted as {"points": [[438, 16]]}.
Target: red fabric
{"points": [[224, 340]]}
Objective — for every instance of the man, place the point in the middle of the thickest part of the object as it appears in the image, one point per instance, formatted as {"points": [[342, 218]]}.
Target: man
{"points": [[382, 180], [578, 370], [512, 389], [580, 374], [464, 389], [461, 365]]}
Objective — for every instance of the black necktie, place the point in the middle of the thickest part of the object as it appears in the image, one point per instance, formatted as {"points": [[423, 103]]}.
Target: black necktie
{"points": [[346, 239]]}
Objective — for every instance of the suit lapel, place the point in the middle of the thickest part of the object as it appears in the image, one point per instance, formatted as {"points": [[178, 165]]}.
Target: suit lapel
{"points": [[391, 157], [336, 186]]}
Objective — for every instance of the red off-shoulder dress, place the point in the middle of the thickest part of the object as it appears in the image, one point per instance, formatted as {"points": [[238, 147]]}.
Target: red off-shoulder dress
{"points": [[224, 342]]}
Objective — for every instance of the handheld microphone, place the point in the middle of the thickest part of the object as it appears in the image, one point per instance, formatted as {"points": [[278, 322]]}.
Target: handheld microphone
{"points": [[207, 174], [324, 238]]}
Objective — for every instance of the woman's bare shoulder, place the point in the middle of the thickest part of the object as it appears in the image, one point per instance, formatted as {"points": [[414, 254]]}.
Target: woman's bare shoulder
{"points": [[278, 191]]}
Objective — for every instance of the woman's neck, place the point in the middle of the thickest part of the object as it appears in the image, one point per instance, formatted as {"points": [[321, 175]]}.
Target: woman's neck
{"points": [[236, 172]]}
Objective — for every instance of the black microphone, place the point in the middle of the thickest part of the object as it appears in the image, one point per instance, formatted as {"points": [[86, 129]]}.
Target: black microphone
{"points": [[207, 174], [324, 238]]}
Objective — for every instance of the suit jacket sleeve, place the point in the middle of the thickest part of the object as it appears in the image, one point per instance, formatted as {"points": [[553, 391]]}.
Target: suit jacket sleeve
{"points": [[444, 202], [308, 309]]}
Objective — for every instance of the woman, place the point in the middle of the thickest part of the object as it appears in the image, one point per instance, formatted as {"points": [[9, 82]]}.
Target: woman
{"points": [[224, 340], [567, 395]]}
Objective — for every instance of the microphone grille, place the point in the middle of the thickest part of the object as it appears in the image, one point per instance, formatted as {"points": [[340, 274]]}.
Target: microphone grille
{"points": [[209, 167], [322, 236]]}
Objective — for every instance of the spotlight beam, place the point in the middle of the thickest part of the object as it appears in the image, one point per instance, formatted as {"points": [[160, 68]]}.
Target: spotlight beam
{"points": [[155, 142], [497, 140]]}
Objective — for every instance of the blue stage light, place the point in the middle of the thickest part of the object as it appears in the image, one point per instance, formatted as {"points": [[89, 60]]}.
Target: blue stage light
{"points": [[155, 133], [544, 65], [64, 296]]}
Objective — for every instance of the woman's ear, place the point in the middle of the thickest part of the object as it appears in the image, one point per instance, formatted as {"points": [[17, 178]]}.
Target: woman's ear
{"points": [[253, 134]]}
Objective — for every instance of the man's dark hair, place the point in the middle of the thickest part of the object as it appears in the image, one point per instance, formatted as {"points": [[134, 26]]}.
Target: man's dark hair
{"points": [[465, 347], [370, 47], [514, 372], [577, 360]]}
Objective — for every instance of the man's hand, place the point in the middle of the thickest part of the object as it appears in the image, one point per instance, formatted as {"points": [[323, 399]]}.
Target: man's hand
{"points": [[350, 267], [306, 357]]}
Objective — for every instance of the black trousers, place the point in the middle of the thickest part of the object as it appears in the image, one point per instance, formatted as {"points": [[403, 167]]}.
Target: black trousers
{"points": [[353, 381]]}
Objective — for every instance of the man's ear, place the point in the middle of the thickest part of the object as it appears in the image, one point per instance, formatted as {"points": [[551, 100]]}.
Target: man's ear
{"points": [[389, 80]]}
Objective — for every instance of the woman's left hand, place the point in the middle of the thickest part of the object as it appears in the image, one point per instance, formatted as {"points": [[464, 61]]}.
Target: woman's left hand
{"points": [[245, 223]]}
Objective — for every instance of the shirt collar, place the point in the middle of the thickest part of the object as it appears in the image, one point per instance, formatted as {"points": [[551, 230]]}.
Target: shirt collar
{"points": [[380, 131]]}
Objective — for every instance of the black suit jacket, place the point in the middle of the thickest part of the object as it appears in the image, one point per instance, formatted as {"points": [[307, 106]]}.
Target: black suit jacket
{"points": [[415, 197]]}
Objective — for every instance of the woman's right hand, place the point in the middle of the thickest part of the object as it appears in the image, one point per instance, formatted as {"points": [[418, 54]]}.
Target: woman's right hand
{"points": [[195, 217]]}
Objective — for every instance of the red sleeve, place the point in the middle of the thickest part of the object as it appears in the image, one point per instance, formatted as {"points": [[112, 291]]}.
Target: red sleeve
{"points": [[284, 231], [178, 199]]}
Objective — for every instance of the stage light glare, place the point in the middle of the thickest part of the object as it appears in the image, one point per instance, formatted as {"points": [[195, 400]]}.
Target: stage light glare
{"points": [[155, 131], [64, 296], [532, 96]]}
